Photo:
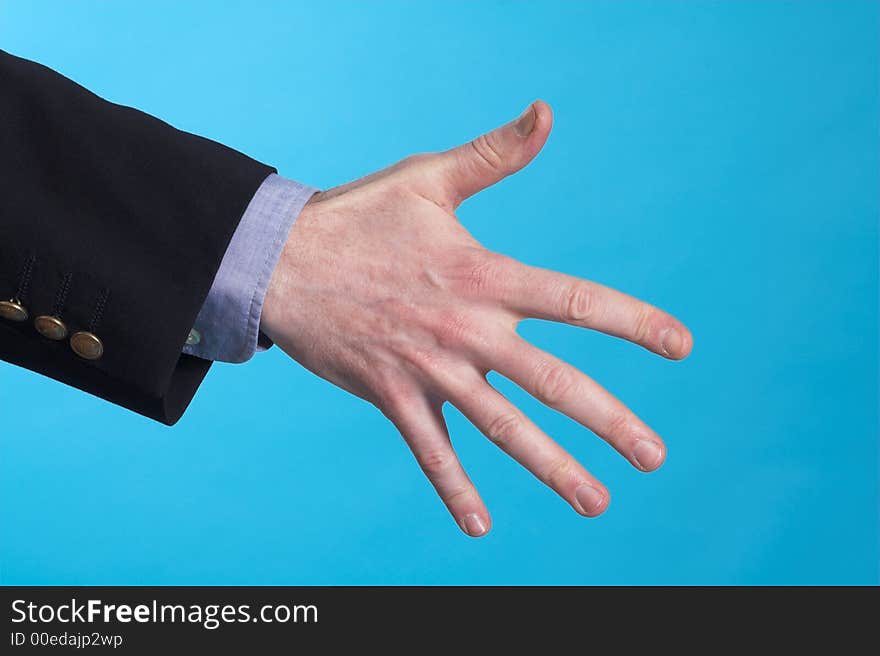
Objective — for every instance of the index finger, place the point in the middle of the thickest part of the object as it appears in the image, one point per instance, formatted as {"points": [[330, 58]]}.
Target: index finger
{"points": [[543, 294]]}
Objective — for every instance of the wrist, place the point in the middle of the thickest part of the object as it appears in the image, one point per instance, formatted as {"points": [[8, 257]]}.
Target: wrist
{"points": [[280, 290]]}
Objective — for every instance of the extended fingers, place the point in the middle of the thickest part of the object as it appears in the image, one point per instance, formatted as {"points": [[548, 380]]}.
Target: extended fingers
{"points": [[421, 423], [515, 434], [543, 294], [564, 388]]}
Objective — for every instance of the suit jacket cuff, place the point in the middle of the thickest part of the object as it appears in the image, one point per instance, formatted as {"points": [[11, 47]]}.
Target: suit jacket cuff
{"points": [[227, 328]]}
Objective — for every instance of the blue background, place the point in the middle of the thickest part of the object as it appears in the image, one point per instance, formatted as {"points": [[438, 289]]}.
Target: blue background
{"points": [[717, 159]]}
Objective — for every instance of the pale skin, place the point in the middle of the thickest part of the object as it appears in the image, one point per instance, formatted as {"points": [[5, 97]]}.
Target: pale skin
{"points": [[381, 291]]}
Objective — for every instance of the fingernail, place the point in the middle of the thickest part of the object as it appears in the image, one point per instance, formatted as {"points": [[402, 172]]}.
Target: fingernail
{"points": [[526, 122], [473, 525], [670, 342], [590, 499], [647, 454]]}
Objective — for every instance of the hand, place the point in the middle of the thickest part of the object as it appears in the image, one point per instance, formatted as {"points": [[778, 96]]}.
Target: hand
{"points": [[383, 292]]}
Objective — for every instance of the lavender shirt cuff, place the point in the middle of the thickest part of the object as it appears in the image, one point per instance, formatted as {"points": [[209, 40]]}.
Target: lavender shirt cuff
{"points": [[228, 326]]}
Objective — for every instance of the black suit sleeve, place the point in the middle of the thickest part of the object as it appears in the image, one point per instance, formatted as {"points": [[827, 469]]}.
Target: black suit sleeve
{"points": [[115, 223]]}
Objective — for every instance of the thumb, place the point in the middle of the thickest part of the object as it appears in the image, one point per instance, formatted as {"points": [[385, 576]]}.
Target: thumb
{"points": [[493, 156]]}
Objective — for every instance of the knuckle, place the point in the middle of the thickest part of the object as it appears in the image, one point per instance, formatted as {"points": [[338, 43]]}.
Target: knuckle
{"points": [[504, 429], [558, 472], [457, 493], [480, 275], [476, 271], [644, 323], [619, 427], [435, 462], [553, 382], [578, 303], [487, 152], [416, 159], [455, 331], [394, 398], [427, 362]]}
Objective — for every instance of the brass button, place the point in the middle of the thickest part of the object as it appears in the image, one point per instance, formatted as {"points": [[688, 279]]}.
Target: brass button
{"points": [[50, 327], [13, 311], [86, 345]]}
